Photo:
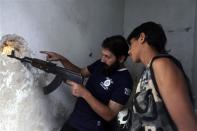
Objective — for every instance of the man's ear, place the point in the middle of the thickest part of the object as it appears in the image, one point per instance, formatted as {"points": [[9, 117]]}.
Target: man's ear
{"points": [[142, 37], [122, 59]]}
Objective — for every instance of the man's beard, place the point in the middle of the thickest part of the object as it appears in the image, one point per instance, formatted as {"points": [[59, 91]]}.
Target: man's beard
{"points": [[108, 70]]}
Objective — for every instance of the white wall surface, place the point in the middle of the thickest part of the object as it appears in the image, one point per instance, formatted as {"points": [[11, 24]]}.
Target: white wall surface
{"points": [[74, 28], [194, 69]]}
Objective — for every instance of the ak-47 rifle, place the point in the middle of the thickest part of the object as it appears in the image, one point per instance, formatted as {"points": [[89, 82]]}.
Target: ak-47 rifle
{"points": [[62, 74]]}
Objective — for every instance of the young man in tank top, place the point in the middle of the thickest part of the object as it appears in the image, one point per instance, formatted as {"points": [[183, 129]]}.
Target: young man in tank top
{"points": [[162, 101]]}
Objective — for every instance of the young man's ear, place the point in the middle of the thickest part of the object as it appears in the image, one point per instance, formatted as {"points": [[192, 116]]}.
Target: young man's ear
{"points": [[142, 37]]}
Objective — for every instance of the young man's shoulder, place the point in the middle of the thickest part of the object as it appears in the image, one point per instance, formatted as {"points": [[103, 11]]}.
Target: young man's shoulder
{"points": [[168, 71], [164, 64]]}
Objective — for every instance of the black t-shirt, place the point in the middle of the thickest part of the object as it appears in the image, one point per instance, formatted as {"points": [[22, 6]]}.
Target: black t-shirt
{"points": [[116, 87]]}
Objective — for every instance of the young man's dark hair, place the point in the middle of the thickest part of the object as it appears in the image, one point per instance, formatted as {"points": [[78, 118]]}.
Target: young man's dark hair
{"points": [[117, 45], [154, 35]]}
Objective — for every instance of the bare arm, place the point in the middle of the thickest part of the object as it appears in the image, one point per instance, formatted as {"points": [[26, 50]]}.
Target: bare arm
{"points": [[52, 56], [174, 91], [107, 112]]}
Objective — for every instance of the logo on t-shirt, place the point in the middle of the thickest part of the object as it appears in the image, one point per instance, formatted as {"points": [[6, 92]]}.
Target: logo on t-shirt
{"points": [[106, 83], [127, 91]]}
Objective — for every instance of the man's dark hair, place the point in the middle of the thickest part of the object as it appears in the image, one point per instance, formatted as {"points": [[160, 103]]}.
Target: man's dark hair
{"points": [[154, 35], [117, 45]]}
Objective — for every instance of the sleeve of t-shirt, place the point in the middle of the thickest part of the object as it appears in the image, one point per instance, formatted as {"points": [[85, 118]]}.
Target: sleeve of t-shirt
{"points": [[91, 68], [122, 91]]}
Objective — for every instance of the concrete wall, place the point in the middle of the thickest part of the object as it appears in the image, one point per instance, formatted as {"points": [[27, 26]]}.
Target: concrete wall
{"points": [[177, 18], [194, 69], [74, 28]]}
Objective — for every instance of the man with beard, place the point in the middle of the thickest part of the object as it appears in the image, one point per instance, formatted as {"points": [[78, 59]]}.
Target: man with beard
{"points": [[106, 91]]}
